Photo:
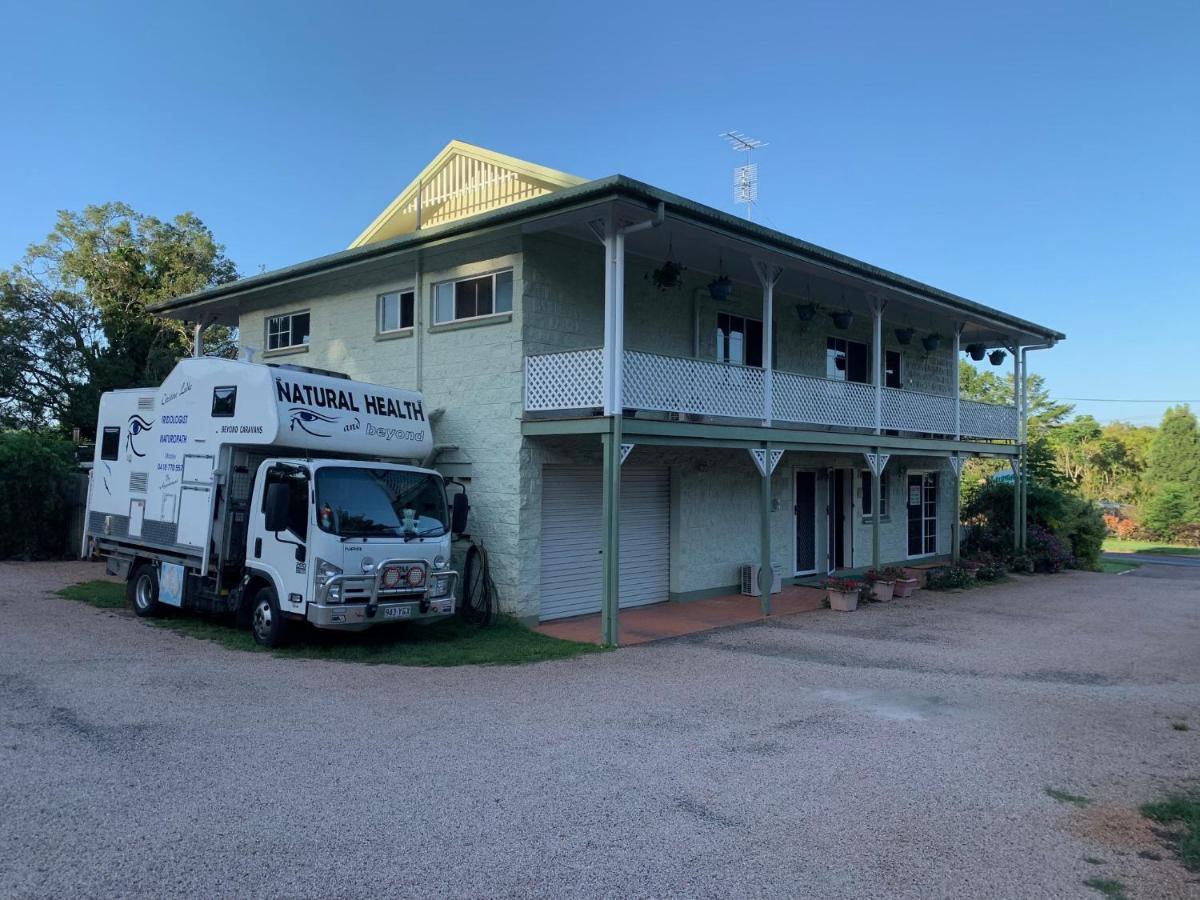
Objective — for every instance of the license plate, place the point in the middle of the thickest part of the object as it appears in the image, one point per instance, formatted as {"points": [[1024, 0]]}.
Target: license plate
{"points": [[397, 612]]}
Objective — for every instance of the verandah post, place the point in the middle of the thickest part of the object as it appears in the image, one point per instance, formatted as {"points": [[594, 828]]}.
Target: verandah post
{"points": [[610, 534], [876, 498], [766, 574]]}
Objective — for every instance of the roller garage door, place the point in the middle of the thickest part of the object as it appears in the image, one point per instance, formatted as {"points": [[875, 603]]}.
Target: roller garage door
{"points": [[570, 578]]}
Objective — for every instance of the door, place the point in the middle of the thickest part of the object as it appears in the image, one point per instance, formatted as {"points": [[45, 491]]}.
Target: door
{"points": [[283, 554], [806, 522], [838, 510], [922, 514], [571, 564]]}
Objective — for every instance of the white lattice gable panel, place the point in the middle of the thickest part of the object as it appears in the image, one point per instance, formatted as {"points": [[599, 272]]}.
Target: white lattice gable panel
{"points": [[463, 180]]}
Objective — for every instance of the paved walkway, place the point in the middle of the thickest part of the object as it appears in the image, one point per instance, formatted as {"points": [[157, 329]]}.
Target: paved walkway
{"points": [[643, 624], [901, 751]]}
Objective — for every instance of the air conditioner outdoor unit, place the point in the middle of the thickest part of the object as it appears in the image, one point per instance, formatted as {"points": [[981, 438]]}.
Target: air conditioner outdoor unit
{"points": [[748, 578]]}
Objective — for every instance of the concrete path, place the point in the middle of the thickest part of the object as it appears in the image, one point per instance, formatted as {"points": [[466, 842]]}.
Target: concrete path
{"points": [[901, 751]]}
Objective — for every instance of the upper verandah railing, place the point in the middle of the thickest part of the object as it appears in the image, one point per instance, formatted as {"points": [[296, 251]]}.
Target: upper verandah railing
{"points": [[573, 380]]}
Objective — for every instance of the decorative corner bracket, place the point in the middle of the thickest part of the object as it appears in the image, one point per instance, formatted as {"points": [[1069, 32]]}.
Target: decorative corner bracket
{"points": [[956, 463], [626, 449], [759, 455], [877, 462]]}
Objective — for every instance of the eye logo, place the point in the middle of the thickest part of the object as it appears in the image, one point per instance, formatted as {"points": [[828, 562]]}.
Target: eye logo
{"points": [[306, 417], [136, 426]]}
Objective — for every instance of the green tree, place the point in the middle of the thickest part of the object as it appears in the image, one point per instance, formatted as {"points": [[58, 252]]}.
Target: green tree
{"points": [[1173, 473], [73, 320], [1168, 510]]}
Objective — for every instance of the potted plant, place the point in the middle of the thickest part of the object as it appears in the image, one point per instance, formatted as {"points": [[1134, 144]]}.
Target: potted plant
{"points": [[931, 342], [905, 583], [880, 586], [720, 288], [996, 357], [917, 575], [842, 318], [843, 593], [905, 335], [976, 351], [971, 567], [806, 311], [668, 275]]}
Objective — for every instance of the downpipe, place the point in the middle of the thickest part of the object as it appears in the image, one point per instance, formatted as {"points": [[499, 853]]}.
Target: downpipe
{"points": [[1022, 484]]}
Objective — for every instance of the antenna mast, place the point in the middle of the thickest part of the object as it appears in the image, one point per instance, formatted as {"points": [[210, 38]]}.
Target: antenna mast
{"points": [[745, 178]]}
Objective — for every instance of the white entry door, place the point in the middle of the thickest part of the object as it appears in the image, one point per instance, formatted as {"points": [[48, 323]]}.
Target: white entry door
{"points": [[571, 564]]}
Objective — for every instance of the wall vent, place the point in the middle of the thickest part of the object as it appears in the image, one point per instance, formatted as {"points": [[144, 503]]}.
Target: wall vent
{"points": [[146, 402], [139, 481]]}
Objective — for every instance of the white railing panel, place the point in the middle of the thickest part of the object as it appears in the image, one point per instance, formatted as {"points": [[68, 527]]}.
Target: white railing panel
{"points": [[916, 411], [698, 387], [569, 380], [988, 420], [822, 401]]}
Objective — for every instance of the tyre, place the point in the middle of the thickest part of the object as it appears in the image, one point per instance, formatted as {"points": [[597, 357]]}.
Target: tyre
{"points": [[267, 623], [142, 590], [478, 592]]}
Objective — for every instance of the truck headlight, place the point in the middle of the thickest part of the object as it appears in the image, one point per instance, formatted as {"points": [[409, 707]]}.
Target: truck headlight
{"points": [[440, 585], [326, 572]]}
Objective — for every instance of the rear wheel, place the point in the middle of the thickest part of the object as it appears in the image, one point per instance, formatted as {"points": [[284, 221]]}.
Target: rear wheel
{"points": [[142, 591], [267, 623]]}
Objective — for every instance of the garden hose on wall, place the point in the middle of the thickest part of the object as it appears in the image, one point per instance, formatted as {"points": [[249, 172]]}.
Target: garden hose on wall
{"points": [[479, 591]]}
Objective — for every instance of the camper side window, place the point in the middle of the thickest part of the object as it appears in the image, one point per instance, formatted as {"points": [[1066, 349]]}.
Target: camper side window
{"points": [[224, 402], [110, 444]]}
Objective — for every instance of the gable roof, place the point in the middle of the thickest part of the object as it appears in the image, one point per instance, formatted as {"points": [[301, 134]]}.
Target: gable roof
{"points": [[462, 180]]}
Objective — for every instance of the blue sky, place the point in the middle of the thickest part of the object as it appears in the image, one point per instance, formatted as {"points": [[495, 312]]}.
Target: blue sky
{"points": [[1039, 157]]}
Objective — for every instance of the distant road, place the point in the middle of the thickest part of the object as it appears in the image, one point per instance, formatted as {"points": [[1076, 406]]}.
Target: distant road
{"points": [[1160, 559]]}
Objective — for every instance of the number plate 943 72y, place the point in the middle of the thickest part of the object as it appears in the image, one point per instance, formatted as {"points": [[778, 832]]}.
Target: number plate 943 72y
{"points": [[397, 612]]}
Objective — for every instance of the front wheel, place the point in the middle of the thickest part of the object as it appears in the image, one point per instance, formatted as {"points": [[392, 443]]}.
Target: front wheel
{"points": [[267, 623], [142, 591]]}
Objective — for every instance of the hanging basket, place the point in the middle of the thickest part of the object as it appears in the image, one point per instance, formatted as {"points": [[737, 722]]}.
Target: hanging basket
{"points": [[996, 357], [976, 351], [720, 288], [805, 311], [931, 342], [905, 335], [842, 319]]}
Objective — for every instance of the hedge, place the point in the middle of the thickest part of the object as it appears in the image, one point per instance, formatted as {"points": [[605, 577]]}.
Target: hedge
{"points": [[37, 484]]}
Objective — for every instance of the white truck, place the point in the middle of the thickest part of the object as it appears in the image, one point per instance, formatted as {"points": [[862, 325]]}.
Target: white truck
{"points": [[274, 493]]}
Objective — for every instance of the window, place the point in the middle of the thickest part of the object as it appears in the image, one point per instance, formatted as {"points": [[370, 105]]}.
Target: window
{"points": [[472, 298], [846, 360], [884, 488], [922, 514], [224, 402], [110, 443], [739, 340], [395, 311], [290, 330], [297, 483]]}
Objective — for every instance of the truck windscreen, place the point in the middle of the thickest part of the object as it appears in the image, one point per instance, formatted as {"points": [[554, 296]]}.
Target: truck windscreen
{"points": [[354, 502]]}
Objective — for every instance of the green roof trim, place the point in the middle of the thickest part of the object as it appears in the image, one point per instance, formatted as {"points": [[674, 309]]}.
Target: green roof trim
{"points": [[613, 187]]}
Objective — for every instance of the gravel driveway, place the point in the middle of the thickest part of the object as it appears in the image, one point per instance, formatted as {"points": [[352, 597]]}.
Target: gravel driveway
{"points": [[900, 751]]}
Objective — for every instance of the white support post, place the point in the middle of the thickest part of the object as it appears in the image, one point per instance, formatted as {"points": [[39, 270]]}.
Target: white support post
{"points": [[618, 353], [198, 342], [877, 306], [1018, 464], [955, 380], [605, 230], [768, 275]]}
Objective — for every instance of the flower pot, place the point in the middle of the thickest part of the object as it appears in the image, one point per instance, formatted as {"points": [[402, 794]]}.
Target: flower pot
{"points": [[904, 588], [976, 351], [904, 335], [720, 288], [972, 569], [881, 591], [996, 357], [843, 601], [931, 342], [917, 574], [842, 319], [805, 311]]}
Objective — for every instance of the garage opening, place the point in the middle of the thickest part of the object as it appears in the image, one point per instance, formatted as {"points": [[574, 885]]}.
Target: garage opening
{"points": [[571, 565]]}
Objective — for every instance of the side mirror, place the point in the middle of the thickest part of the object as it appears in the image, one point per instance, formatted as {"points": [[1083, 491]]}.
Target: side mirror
{"points": [[275, 507], [458, 513]]}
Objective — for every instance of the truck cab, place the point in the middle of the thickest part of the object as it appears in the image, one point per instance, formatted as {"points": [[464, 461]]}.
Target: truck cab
{"points": [[348, 544]]}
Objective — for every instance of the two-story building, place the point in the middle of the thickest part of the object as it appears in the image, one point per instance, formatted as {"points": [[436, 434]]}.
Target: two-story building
{"points": [[643, 393]]}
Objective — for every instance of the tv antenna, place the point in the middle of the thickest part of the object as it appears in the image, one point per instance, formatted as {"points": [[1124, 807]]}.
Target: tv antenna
{"points": [[745, 178]]}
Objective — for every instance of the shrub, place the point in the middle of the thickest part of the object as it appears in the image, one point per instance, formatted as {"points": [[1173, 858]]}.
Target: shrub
{"points": [[947, 578], [1074, 521], [1169, 510], [37, 480], [1020, 562], [843, 585], [1049, 552], [991, 571]]}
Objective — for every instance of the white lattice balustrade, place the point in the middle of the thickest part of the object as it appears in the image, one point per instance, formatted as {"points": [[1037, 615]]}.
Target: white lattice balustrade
{"points": [[988, 420], [573, 380], [699, 387], [822, 401], [916, 411], [570, 380]]}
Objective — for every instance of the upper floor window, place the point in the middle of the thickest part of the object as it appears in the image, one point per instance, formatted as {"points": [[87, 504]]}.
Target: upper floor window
{"points": [[287, 330], [846, 360], [739, 340], [395, 311], [471, 298]]}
